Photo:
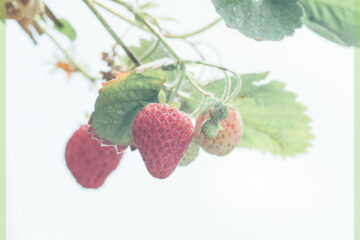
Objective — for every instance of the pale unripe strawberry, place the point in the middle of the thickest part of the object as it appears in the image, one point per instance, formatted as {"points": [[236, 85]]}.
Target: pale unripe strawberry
{"points": [[191, 154], [228, 137], [162, 134], [90, 162]]}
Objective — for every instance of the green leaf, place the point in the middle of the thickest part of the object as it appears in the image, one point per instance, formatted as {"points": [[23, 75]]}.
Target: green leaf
{"points": [[332, 19], [66, 29], [273, 120], [120, 100], [261, 19]]}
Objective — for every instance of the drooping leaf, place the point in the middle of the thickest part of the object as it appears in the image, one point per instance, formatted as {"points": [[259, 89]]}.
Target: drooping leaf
{"points": [[333, 19], [273, 120], [66, 29], [261, 19], [120, 100]]}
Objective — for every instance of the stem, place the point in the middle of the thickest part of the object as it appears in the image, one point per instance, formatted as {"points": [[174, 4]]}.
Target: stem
{"points": [[167, 35], [202, 91], [161, 39], [126, 19], [152, 30], [150, 51], [159, 36], [209, 65], [178, 85], [237, 88], [125, 4], [227, 87], [237, 76], [112, 33], [203, 29], [196, 50], [69, 58], [199, 107]]}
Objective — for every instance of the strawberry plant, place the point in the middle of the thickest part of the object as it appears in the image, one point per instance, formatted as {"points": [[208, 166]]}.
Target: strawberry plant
{"points": [[158, 102]]}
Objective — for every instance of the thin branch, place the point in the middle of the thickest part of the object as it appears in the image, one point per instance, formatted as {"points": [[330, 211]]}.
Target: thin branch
{"points": [[200, 106], [159, 36], [227, 87], [237, 88], [112, 32], [236, 75], [203, 29], [207, 64], [52, 16], [150, 51], [166, 35], [179, 83], [69, 58], [202, 91], [126, 19]]}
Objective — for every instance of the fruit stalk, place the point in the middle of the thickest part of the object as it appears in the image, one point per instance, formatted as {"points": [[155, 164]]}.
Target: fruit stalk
{"points": [[227, 87], [236, 75], [202, 91]]}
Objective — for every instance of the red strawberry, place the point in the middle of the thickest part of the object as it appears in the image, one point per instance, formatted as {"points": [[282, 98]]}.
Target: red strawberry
{"points": [[89, 161], [162, 134], [228, 138]]}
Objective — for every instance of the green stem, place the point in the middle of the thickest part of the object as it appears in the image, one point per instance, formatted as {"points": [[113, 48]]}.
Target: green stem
{"points": [[158, 35], [167, 46], [237, 88], [126, 19], [149, 51], [199, 107], [161, 38], [69, 58], [178, 85], [227, 87], [112, 32], [125, 4], [202, 91], [186, 35], [207, 64], [237, 76], [167, 35]]}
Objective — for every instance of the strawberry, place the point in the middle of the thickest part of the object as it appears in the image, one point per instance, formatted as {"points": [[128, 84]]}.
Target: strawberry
{"points": [[191, 154], [90, 162], [162, 134], [229, 136]]}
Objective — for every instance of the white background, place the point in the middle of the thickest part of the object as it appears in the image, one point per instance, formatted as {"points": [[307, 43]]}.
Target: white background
{"points": [[247, 195]]}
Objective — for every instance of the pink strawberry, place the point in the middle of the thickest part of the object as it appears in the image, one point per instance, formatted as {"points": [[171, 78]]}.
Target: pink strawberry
{"points": [[162, 134], [228, 137], [90, 162]]}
